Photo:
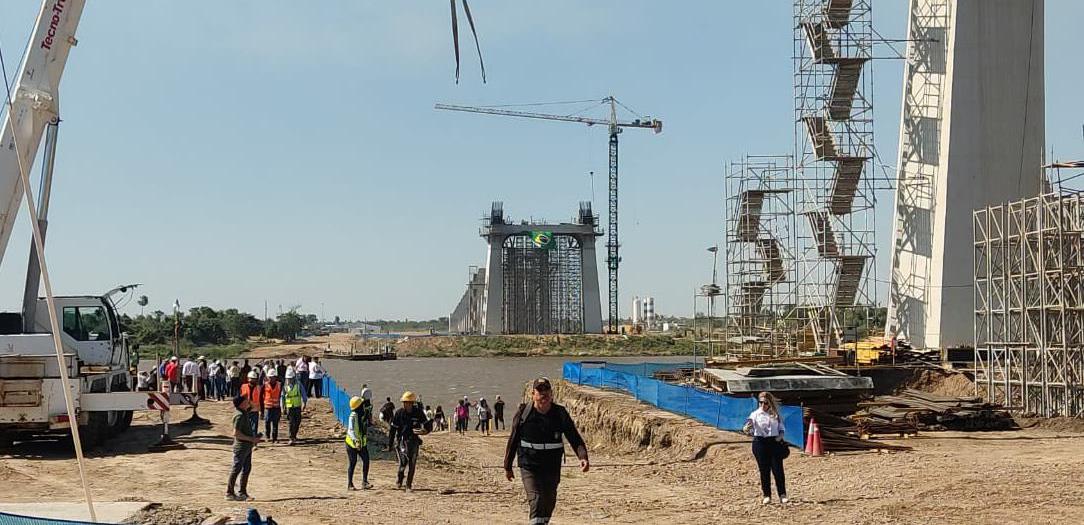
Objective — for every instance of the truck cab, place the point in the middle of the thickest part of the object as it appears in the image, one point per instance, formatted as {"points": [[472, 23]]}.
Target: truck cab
{"points": [[97, 359]]}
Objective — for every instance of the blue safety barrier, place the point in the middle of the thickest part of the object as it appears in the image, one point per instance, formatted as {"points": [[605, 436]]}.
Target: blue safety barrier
{"points": [[715, 409], [15, 519], [339, 399]]}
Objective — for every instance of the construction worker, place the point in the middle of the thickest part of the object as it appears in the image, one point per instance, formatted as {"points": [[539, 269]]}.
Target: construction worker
{"points": [[254, 392], [535, 441], [357, 441], [769, 449], [272, 407], [407, 424], [244, 440], [386, 411], [294, 399]]}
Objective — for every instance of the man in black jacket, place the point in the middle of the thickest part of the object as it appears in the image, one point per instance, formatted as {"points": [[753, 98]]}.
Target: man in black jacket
{"points": [[535, 441]]}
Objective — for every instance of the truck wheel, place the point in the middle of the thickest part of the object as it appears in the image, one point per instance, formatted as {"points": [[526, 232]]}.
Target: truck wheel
{"points": [[119, 421], [95, 431]]}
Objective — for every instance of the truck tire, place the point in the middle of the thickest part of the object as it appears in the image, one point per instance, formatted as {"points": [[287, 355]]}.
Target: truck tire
{"points": [[119, 421], [95, 431]]}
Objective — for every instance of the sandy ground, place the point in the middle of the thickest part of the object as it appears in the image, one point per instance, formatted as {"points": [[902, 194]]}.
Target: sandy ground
{"points": [[999, 477]]}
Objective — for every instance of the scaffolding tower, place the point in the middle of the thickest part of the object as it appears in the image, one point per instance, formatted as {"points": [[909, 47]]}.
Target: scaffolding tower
{"points": [[1029, 304], [833, 152], [760, 246]]}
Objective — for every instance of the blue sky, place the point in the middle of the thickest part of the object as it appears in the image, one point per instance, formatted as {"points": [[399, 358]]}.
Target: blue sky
{"points": [[228, 153]]}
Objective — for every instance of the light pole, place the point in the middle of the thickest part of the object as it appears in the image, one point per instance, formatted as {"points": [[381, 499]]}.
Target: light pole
{"points": [[711, 298], [176, 327]]}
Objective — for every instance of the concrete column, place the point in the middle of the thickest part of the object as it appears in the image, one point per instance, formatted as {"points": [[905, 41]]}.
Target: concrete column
{"points": [[592, 306], [493, 296], [971, 135]]}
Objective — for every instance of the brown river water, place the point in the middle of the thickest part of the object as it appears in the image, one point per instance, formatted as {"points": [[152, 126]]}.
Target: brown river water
{"points": [[444, 380]]}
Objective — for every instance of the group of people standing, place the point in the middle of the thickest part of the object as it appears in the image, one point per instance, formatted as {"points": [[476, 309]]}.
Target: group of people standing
{"points": [[535, 442]]}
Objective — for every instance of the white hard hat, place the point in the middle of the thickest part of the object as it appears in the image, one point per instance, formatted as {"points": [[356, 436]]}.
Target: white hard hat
{"points": [[366, 394], [174, 358], [253, 375], [289, 373], [273, 373]]}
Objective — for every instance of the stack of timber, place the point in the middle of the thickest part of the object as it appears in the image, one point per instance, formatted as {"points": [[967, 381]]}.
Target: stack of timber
{"points": [[840, 434], [928, 411]]}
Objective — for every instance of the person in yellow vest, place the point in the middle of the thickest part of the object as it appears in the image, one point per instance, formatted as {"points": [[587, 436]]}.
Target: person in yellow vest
{"points": [[294, 399], [357, 441]]}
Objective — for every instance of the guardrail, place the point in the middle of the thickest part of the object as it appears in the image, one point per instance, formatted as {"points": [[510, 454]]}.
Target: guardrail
{"points": [[718, 410]]}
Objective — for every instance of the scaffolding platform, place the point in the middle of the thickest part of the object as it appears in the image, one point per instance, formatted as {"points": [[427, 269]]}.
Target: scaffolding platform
{"points": [[848, 278]]}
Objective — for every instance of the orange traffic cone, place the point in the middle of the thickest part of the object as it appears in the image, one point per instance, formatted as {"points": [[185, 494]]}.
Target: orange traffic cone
{"points": [[813, 445]]}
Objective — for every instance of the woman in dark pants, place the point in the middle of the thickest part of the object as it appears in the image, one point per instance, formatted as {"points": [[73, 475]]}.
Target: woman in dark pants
{"points": [[769, 449]]}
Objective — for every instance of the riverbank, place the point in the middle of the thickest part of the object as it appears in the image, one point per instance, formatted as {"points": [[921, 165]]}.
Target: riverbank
{"points": [[682, 472], [542, 345]]}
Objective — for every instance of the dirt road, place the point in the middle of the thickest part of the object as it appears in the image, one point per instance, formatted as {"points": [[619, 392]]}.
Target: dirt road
{"points": [[999, 477]]}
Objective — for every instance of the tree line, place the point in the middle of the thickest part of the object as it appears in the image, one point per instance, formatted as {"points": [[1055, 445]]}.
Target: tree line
{"points": [[203, 325]]}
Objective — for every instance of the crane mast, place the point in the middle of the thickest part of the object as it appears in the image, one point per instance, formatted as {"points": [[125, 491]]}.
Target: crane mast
{"points": [[614, 126]]}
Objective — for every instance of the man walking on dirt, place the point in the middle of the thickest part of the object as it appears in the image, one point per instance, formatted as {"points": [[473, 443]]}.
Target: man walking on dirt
{"points": [[498, 414], [244, 441], [535, 441], [407, 424]]}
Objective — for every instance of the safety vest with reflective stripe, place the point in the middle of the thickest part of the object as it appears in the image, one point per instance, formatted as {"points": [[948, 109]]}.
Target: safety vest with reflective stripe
{"points": [[254, 395], [355, 434], [271, 395], [293, 396]]}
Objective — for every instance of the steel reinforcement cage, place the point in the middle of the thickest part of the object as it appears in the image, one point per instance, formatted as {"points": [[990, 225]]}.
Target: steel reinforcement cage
{"points": [[1029, 304]]}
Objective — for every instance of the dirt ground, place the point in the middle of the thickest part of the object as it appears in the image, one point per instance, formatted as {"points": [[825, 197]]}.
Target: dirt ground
{"points": [[1031, 475]]}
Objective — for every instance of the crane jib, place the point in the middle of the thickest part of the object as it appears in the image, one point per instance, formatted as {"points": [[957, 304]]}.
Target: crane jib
{"points": [[58, 9]]}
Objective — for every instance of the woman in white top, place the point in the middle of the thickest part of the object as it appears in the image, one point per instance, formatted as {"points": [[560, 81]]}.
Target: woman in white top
{"points": [[766, 427]]}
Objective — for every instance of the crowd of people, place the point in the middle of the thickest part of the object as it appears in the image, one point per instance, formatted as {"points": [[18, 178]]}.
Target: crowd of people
{"points": [[219, 380], [535, 441]]}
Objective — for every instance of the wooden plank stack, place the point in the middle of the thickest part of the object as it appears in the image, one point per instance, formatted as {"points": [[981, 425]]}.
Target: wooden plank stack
{"points": [[926, 411]]}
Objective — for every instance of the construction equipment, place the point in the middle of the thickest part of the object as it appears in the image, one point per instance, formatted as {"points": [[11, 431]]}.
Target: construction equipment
{"points": [[54, 339], [615, 127]]}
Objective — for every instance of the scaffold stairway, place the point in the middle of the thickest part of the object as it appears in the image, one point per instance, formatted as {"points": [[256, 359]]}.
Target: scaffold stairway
{"points": [[844, 86], [823, 234], [837, 13], [751, 296], [844, 184], [820, 43], [848, 278], [749, 206], [824, 145], [773, 259]]}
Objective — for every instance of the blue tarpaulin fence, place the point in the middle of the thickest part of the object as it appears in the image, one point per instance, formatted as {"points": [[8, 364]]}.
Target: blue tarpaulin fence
{"points": [[719, 410], [339, 399], [15, 519]]}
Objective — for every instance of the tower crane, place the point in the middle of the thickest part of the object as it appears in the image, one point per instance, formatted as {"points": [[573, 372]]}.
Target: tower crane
{"points": [[615, 127]]}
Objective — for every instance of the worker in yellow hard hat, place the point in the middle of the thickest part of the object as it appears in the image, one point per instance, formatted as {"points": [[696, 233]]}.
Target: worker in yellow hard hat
{"points": [[357, 441], [407, 424]]}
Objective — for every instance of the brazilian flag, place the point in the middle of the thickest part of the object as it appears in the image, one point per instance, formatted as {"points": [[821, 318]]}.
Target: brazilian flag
{"points": [[542, 239]]}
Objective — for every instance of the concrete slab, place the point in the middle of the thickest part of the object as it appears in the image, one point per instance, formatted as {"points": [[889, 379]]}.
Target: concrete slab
{"points": [[107, 511]]}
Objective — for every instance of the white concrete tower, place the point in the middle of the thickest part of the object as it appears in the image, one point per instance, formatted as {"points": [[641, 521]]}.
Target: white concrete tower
{"points": [[971, 135]]}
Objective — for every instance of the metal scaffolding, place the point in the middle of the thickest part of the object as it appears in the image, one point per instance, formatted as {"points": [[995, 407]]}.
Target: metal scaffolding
{"points": [[760, 267], [833, 145], [1029, 304], [543, 288], [924, 93]]}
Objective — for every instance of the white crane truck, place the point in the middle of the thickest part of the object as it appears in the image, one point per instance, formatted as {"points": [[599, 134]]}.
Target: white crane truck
{"points": [[96, 353]]}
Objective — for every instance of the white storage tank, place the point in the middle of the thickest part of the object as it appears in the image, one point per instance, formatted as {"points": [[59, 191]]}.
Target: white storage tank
{"points": [[637, 310]]}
